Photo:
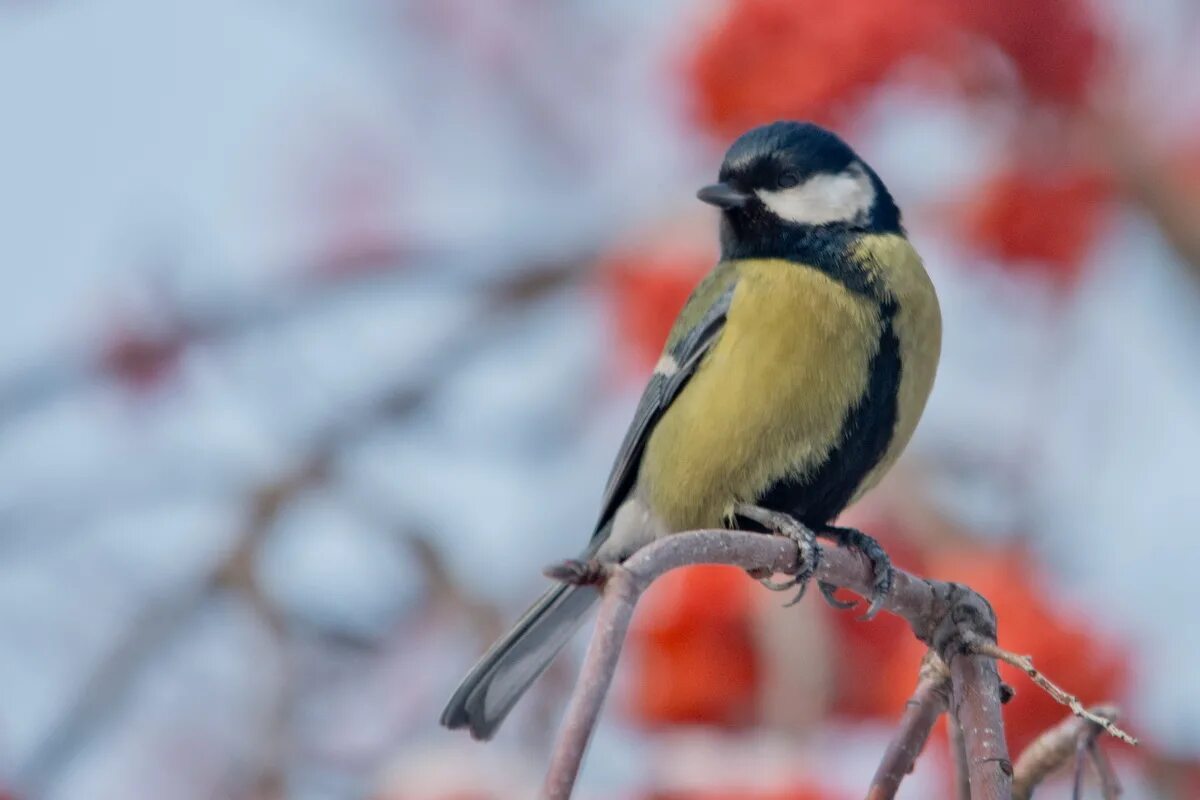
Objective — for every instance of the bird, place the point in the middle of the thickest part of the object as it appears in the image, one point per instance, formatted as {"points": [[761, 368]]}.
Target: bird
{"points": [[790, 383]]}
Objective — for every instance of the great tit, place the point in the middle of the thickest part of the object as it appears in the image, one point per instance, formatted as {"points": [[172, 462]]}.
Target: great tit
{"points": [[790, 382]]}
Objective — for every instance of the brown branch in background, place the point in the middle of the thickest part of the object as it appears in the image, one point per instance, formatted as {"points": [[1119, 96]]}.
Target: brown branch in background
{"points": [[1073, 737], [239, 574], [224, 319], [502, 301], [929, 701], [1160, 190], [107, 688], [944, 615], [104, 690], [444, 591]]}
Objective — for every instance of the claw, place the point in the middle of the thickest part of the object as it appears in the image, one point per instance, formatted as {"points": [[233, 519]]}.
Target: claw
{"points": [[827, 590], [881, 565], [784, 525], [780, 586], [799, 595], [874, 608]]}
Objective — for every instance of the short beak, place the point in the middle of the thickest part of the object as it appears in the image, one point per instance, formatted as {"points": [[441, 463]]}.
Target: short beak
{"points": [[722, 195]]}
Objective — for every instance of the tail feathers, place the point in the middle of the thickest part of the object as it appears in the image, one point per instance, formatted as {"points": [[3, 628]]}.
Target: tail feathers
{"points": [[497, 682]]}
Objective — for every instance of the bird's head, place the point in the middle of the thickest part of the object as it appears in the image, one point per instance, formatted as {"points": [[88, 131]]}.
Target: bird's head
{"points": [[786, 178]]}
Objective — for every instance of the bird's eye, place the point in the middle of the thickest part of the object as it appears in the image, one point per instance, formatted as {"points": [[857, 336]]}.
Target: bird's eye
{"points": [[787, 180]]}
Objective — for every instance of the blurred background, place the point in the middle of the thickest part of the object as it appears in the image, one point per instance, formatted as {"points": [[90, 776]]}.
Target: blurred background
{"points": [[321, 322]]}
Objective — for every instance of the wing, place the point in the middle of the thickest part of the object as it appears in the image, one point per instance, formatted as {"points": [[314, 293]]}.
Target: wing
{"points": [[695, 331]]}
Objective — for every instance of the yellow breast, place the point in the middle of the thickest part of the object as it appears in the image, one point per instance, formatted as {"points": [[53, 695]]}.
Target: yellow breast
{"points": [[770, 398]]}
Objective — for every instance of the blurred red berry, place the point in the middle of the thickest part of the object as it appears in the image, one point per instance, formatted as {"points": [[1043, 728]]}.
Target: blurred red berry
{"points": [[1185, 163], [693, 649], [764, 60], [1046, 219], [142, 359], [1055, 45], [770, 59], [648, 281], [876, 667], [437, 795], [878, 662], [802, 792]]}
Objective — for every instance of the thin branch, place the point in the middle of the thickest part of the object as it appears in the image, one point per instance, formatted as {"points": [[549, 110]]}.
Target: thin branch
{"points": [[1056, 746], [496, 304], [958, 751], [1110, 787], [929, 701], [1025, 664], [269, 778], [944, 615], [104, 690], [1081, 759], [221, 319], [111, 683]]}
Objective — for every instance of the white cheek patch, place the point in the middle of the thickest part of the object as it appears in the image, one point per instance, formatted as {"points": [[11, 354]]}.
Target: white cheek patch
{"points": [[844, 197]]}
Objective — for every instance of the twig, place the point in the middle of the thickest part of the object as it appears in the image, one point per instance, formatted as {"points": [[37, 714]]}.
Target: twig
{"points": [[958, 751], [1110, 787], [1074, 736], [1081, 748], [944, 615], [929, 701], [1025, 664], [240, 575]]}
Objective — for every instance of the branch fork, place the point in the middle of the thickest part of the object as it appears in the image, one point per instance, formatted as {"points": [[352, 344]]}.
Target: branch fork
{"points": [[959, 675], [1074, 737]]}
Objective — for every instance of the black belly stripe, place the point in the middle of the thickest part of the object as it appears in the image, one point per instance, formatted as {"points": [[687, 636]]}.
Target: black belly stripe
{"points": [[866, 432]]}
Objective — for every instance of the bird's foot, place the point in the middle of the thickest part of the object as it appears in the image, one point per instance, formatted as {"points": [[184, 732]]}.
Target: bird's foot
{"points": [[806, 542], [881, 566], [578, 573]]}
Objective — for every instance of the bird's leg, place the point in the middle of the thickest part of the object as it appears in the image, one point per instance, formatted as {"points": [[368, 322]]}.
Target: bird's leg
{"points": [[881, 565], [806, 542]]}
